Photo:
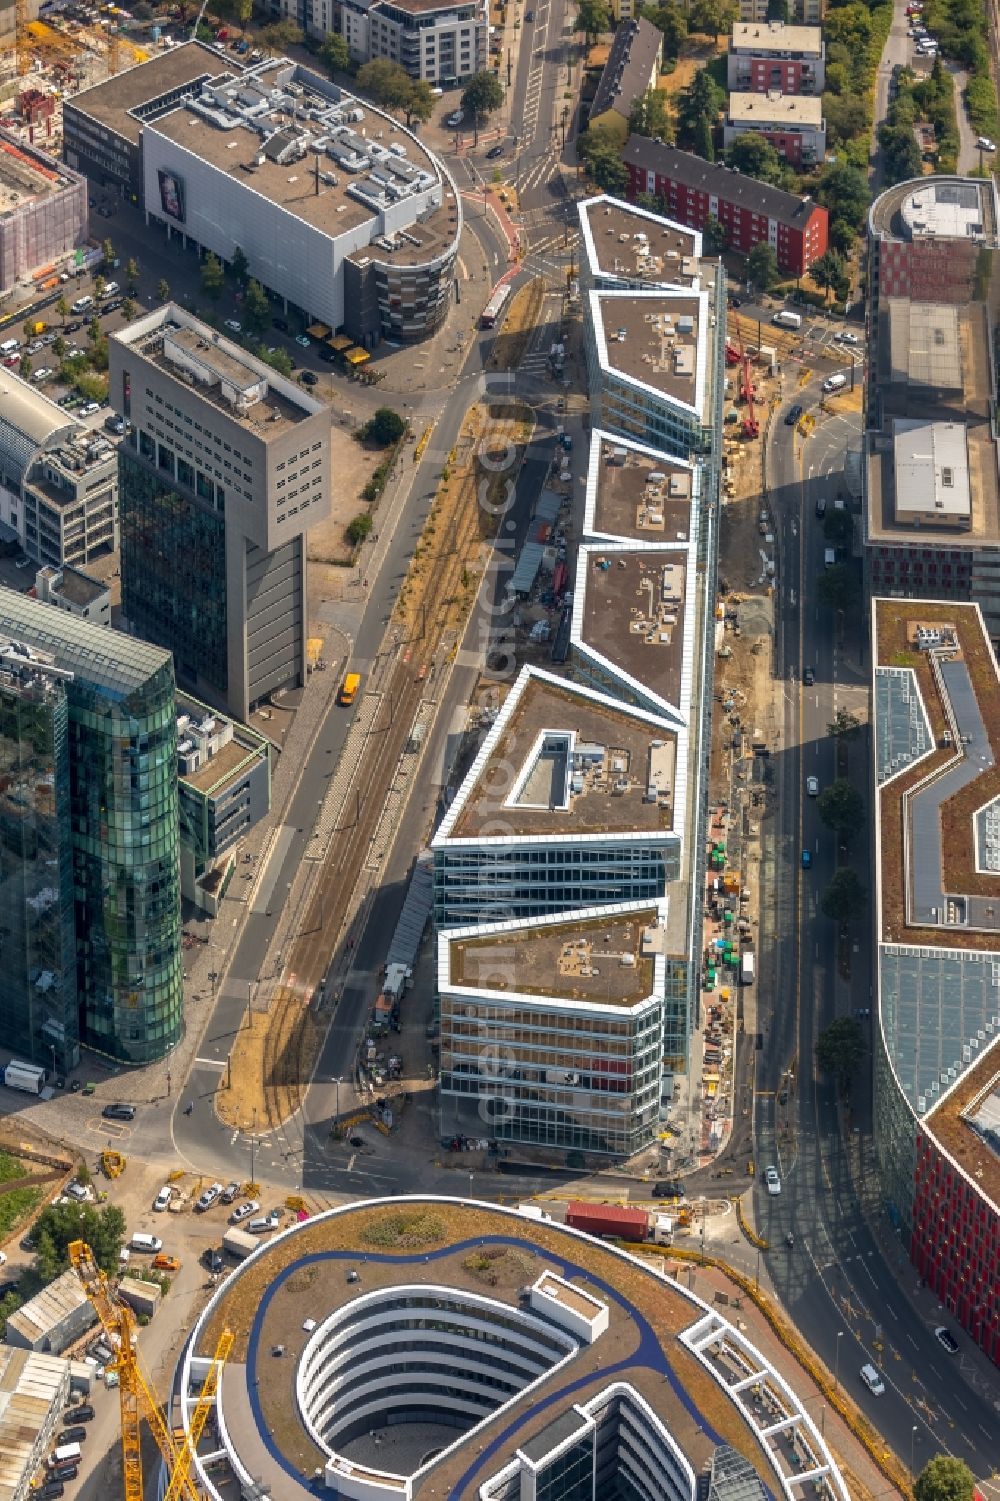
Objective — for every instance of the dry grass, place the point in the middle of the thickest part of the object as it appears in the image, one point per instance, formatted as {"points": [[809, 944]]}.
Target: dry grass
{"points": [[511, 343], [271, 1065]]}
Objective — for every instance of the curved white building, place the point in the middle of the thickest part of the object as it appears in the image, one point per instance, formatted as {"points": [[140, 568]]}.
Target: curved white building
{"points": [[438, 1347]]}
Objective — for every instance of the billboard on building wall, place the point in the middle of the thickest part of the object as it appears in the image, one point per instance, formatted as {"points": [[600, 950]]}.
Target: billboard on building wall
{"points": [[171, 194]]}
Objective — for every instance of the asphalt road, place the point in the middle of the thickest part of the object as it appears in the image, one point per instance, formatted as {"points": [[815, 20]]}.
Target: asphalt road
{"points": [[842, 1285]]}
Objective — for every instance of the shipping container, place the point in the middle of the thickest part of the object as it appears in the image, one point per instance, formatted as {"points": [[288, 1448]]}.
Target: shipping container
{"points": [[619, 1220], [28, 1077]]}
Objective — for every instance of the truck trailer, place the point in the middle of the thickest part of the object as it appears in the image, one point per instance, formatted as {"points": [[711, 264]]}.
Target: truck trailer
{"points": [[622, 1221], [239, 1244], [29, 1077]]}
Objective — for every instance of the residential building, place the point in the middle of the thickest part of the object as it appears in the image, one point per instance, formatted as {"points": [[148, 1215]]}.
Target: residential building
{"points": [[58, 479], [762, 57], [224, 790], [792, 123], [625, 10], [632, 68], [70, 589], [124, 827], [38, 1001], [693, 191], [43, 210], [931, 504], [809, 12], [33, 1393], [936, 796], [545, 1364], [437, 40], [356, 228], [225, 467]]}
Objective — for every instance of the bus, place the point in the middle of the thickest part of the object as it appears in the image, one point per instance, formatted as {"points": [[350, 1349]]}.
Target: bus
{"points": [[349, 688], [493, 309]]}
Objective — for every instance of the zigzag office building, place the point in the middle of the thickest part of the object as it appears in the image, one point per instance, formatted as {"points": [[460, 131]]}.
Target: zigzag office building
{"points": [[569, 868]]}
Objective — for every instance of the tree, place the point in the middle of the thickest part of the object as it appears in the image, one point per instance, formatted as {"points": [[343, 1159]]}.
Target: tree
{"points": [[601, 153], [132, 273], [28, 329], [24, 367], [256, 308], [359, 528], [712, 17], [754, 156], [279, 36], [385, 427], [388, 83], [828, 272], [651, 117], [482, 95], [762, 266], [129, 307], [716, 235], [699, 102], [843, 236], [239, 265], [777, 10], [840, 1049], [420, 102], [838, 526], [9, 1303], [244, 10], [844, 724], [94, 330], [279, 360], [62, 307], [671, 21], [335, 52], [703, 139], [592, 18], [838, 587], [845, 898], [843, 190], [842, 808], [102, 1229], [846, 117], [59, 347], [108, 252], [212, 276], [945, 1479], [900, 153], [100, 287], [163, 290]]}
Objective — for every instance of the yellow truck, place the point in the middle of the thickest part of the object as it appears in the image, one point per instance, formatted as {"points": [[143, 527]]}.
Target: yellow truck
{"points": [[36, 327], [349, 688]]}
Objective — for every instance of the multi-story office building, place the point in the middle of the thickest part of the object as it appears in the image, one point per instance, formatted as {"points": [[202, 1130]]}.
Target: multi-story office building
{"points": [[124, 827], [38, 1010], [225, 467], [58, 479], [693, 191], [791, 59], [339, 210], [586, 803], [70, 589], [931, 504], [553, 1029], [225, 788], [936, 748], [542, 1366], [442, 41], [792, 123]]}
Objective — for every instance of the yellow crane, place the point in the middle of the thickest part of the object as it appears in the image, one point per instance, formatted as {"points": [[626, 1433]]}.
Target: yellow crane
{"points": [[136, 1396]]}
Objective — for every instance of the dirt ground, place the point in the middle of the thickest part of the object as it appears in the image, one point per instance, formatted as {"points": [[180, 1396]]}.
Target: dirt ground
{"points": [[695, 55], [351, 467]]}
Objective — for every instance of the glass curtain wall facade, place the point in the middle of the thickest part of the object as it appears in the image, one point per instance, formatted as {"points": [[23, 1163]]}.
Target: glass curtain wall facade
{"points": [[123, 756], [38, 994], [489, 885], [173, 562]]}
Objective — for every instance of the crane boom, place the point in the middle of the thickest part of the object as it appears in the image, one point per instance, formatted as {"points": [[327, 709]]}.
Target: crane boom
{"points": [[179, 1479], [201, 15], [135, 1395]]}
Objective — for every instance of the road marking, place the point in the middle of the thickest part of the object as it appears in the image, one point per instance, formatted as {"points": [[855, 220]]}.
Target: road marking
{"points": [[912, 1340], [212, 1062]]}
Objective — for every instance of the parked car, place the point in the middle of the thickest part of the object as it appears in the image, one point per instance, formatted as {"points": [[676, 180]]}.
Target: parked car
{"points": [[807, 859], [872, 1380], [51, 1490], [213, 1259], [792, 415], [812, 786], [309, 378], [230, 1193], [244, 1211], [82, 1414], [668, 1188], [208, 1198], [165, 1263], [301, 339], [945, 1338], [494, 152], [119, 1112], [772, 1181], [281, 324], [234, 325], [808, 676], [75, 1435], [89, 408], [44, 372], [162, 1200], [983, 143]]}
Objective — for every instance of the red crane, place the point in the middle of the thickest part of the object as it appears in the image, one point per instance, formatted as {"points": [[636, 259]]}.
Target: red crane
{"points": [[751, 427]]}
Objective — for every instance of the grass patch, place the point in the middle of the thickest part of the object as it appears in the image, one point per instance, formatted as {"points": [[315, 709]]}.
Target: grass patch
{"points": [[406, 1229], [10, 1168], [17, 1206]]}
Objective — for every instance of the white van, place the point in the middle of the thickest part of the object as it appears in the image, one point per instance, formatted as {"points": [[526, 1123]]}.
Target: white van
{"points": [[142, 1242], [829, 557], [10, 346], [787, 319], [835, 382], [82, 304], [66, 1454], [110, 289]]}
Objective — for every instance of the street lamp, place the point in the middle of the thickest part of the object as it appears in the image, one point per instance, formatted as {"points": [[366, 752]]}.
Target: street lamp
{"points": [[253, 1145], [913, 1439], [836, 1362], [338, 1102], [701, 1201]]}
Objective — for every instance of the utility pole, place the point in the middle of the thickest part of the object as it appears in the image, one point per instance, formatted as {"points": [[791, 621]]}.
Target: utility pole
{"points": [[562, 121], [510, 69]]}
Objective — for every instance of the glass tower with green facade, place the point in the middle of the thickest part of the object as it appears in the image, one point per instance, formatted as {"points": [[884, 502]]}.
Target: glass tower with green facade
{"points": [[122, 743], [38, 1006]]}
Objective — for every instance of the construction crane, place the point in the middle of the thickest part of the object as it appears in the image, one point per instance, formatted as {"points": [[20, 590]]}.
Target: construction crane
{"points": [[751, 427], [22, 37], [201, 14], [136, 1397]]}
